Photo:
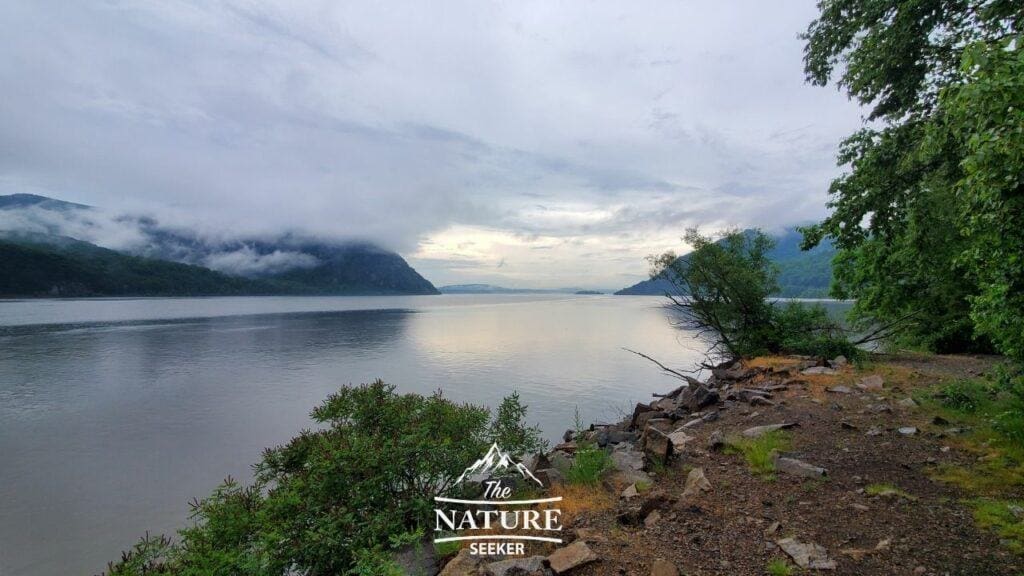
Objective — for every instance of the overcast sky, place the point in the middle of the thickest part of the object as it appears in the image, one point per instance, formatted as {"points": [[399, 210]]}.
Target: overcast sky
{"points": [[521, 143]]}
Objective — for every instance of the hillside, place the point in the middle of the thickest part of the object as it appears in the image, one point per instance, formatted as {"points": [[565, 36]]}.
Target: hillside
{"points": [[37, 236], [802, 274]]}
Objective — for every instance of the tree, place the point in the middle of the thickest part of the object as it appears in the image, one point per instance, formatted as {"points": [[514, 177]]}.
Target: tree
{"points": [[723, 290], [914, 225]]}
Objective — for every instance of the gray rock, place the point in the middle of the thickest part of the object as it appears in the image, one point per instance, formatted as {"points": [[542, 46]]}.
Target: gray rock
{"points": [[517, 566], [696, 482], [873, 431], [807, 555], [568, 435], [464, 564], [657, 445], [795, 467], [907, 430], [839, 361], [839, 389], [716, 440], [871, 383], [560, 460], [652, 519], [618, 436], [630, 492], [757, 431], [572, 556], [679, 440], [417, 558], [907, 403], [818, 370], [549, 477]]}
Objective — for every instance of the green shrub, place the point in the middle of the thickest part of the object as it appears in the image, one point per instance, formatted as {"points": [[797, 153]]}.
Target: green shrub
{"points": [[779, 567], [332, 501], [966, 396], [588, 465]]}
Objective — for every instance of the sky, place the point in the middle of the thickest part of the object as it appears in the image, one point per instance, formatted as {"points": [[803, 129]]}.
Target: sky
{"points": [[526, 144]]}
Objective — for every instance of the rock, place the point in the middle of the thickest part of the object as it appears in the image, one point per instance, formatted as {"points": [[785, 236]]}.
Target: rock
{"points": [[940, 421], [847, 425], [873, 431], [549, 477], [643, 419], [664, 425], [560, 461], [772, 528], [757, 431], [716, 440], [664, 568], [417, 558], [839, 389], [761, 401], [463, 564], [537, 461], [696, 398], [639, 409], [795, 467], [859, 507], [907, 430], [871, 383], [572, 556], [618, 436], [693, 423], [839, 361], [679, 440], [630, 492], [567, 447], [652, 519], [748, 394], [807, 555], [516, 566], [818, 370], [590, 535], [657, 445], [568, 436], [907, 403], [696, 482], [879, 408], [629, 464]]}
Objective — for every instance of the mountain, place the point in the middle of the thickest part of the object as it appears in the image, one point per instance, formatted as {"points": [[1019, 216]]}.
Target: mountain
{"points": [[496, 463], [492, 289], [55, 245], [802, 274]]}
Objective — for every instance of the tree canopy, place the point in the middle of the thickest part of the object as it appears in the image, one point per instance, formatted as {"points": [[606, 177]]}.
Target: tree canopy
{"points": [[928, 216]]}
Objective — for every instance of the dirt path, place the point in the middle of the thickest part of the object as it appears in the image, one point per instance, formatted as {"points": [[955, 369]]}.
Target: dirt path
{"points": [[854, 434]]}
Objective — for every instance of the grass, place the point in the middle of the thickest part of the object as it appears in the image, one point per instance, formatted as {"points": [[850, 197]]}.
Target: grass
{"points": [[886, 490], [1005, 518], [588, 465], [760, 452], [445, 549], [579, 499], [779, 567]]}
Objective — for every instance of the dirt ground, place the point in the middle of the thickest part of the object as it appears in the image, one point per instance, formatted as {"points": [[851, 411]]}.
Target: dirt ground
{"points": [[731, 529]]}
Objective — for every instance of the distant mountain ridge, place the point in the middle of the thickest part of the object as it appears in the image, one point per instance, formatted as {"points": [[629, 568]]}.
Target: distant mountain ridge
{"points": [[179, 262], [492, 289], [802, 274]]}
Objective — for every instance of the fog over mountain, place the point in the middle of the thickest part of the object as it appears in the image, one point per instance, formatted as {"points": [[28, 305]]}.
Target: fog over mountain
{"points": [[514, 144]]}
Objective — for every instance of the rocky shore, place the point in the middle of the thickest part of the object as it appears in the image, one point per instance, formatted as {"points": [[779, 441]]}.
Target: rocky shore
{"points": [[774, 466]]}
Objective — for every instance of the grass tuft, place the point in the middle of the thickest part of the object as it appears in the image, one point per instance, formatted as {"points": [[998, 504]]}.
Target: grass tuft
{"points": [[760, 452], [779, 567], [1005, 518], [887, 491], [588, 465]]}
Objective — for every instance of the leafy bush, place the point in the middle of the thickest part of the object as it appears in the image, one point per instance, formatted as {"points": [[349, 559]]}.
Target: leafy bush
{"points": [[966, 396], [332, 501]]}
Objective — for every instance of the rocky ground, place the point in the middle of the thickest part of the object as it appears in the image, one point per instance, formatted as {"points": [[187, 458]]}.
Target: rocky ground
{"points": [[853, 492]]}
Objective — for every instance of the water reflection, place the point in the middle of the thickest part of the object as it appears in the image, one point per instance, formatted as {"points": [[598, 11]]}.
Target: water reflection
{"points": [[108, 427]]}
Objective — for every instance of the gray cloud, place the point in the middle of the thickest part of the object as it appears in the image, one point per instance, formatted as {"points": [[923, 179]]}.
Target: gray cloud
{"points": [[395, 123]]}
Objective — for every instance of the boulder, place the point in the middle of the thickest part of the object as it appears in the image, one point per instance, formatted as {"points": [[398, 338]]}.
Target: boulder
{"points": [[637, 411], [795, 467], [549, 477], [560, 460], [679, 440], [572, 556], [630, 492], [629, 464], [417, 558], [657, 445], [643, 419], [516, 567], [567, 447], [839, 361], [696, 482], [807, 555], [652, 519], [568, 436], [757, 431], [619, 436], [871, 383], [696, 398], [664, 568], [464, 564]]}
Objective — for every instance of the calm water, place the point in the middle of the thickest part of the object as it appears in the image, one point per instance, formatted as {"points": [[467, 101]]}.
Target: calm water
{"points": [[114, 413]]}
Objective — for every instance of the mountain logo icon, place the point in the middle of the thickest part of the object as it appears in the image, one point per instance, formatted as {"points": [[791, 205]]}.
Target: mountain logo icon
{"points": [[497, 461]]}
